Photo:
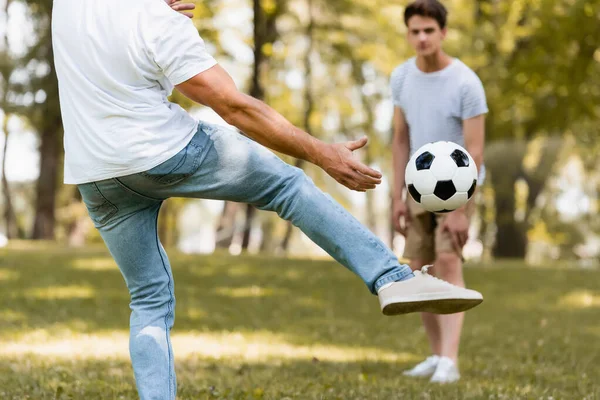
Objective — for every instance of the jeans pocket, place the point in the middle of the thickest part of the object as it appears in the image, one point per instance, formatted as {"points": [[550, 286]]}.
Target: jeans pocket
{"points": [[99, 208], [177, 168]]}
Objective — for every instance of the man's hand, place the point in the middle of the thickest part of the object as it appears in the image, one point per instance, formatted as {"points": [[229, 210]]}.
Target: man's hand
{"points": [[456, 224], [400, 216], [339, 162], [182, 7]]}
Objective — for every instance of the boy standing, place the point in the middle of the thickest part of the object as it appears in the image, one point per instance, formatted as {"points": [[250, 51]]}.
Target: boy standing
{"points": [[436, 97]]}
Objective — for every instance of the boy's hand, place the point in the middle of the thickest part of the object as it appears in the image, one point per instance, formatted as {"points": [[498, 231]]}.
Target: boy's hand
{"points": [[400, 216], [456, 224]]}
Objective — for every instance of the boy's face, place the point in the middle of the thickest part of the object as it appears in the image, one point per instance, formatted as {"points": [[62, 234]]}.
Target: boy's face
{"points": [[425, 35]]}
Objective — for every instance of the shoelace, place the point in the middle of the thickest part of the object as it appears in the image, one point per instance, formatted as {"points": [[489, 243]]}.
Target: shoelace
{"points": [[424, 270]]}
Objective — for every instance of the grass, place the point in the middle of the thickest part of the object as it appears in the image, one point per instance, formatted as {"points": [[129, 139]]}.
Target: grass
{"points": [[254, 327]]}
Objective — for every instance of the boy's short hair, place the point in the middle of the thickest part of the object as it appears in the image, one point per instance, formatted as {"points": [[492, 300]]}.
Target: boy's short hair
{"points": [[427, 8]]}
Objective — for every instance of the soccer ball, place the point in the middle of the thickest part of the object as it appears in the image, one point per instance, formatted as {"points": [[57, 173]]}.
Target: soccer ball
{"points": [[441, 176]]}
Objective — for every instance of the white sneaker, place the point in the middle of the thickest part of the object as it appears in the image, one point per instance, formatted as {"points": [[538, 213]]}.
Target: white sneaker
{"points": [[446, 371], [424, 368], [426, 293]]}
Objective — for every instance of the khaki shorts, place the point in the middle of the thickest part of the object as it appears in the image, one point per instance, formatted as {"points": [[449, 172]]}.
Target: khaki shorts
{"points": [[425, 238]]}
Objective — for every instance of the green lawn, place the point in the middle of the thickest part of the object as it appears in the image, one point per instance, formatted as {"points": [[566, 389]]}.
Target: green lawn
{"points": [[273, 328]]}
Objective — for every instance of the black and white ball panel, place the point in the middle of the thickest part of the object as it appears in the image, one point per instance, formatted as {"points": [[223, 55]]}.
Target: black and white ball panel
{"points": [[444, 189], [460, 158], [424, 161], [441, 176]]}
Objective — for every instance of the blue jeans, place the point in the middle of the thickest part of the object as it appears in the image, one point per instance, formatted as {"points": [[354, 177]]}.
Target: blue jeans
{"points": [[218, 163]]}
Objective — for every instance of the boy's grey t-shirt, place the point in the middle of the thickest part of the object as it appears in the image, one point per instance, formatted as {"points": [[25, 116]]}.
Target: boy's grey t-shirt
{"points": [[435, 103]]}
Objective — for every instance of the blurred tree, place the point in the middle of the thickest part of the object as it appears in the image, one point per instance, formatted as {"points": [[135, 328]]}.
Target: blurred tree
{"points": [[8, 65], [43, 115], [536, 59], [265, 33], [309, 102]]}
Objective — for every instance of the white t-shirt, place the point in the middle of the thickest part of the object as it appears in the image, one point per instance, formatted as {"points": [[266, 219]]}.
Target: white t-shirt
{"points": [[435, 104], [117, 62]]}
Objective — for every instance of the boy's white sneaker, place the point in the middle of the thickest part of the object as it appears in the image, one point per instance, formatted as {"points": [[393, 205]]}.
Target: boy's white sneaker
{"points": [[446, 371], [426, 293], [425, 368]]}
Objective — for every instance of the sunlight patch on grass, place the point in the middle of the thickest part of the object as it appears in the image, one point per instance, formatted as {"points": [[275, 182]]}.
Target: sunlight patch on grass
{"points": [[95, 264], [240, 270], [292, 274], [310, 302], [594, 331], [203, 270], [61, 292], [12, 316], [7, 275], [249, 347], [35, 245], [194, 314], [580, 299], [249, 291]]}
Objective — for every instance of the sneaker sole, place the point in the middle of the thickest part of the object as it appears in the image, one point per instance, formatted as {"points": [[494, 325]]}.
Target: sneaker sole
{"points": [[440, 306]]}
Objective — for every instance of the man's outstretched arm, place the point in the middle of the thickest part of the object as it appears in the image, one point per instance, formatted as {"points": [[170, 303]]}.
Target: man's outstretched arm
{"points": [[215, 88]]}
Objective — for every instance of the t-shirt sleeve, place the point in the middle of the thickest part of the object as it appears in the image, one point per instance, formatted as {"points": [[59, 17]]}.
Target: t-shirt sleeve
{"points": [[175, 45], [396, 83], [473, 102]]}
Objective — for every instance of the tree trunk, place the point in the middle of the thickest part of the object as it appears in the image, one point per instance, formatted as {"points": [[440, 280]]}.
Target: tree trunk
{"points": [[256, 91], [43, 226], [504, 161], [268, 225], [309, 106], [511, 236], [287, 237], [250, 214], [10, 219], [226, 227], [260, 39]]}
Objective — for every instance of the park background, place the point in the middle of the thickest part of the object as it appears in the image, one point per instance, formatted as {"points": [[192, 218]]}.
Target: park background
{"points": [[263, 312]]}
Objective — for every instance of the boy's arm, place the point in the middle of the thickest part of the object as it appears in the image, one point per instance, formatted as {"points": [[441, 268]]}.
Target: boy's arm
{"points": [[400, 151], [400, 155], [474, 134]]}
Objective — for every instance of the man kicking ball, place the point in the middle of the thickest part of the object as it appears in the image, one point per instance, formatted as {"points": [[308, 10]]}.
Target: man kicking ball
{"points": [[128, 149]]}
